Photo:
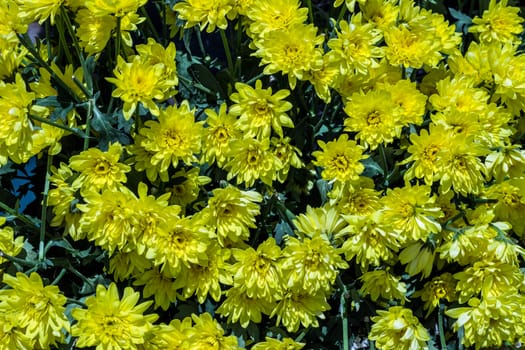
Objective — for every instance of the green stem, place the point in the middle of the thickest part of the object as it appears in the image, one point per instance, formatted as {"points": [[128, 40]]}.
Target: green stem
{"points": [[16, 260], [44, 209], [74, 301], [77, 273], [19, 216], [342, 311], [60, 126], [150, 24], [227, 50], [199, 41], [88, 124], [62, 39], [310, 11], [384, 162], [254, 79], [59, 277], [442, 339], [188, 84], [117, 40], [341, 13]]}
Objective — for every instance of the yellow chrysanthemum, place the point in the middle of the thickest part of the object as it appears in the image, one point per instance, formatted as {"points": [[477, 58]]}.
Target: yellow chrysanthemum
{"points": [[94, 32], [175, 137], [340, 159], [500, 23], [293, 51], [288, 155], [325, 221], [260, 111], [419, 258], [410, 48], [232, 213], [374, 117], [159, 285], [381, 13], [239, 307], [99, 170], [207, 333], [139, 81], [8, 243], [252, 160], [36, 310], [112, 323], [510, 205], [397, 328], [269, 15], [258, 271], [354, 49], [440, 288], [381, 283], [208, 14], [219, 131], [39, 10], [124, 265], [409, 99], [118, 8], [275, 344], [360, 199]]}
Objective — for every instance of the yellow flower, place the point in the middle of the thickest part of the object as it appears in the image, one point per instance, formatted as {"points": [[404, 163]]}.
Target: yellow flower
{"points": [[36, 310], [99, 170], [94, 32], [293, 51], [381, 283], [409, 99], [381, 13], [252, 160], [205, 280], [465, 246], [10, 23], [489, 322], [119, 8], [442, 287], [259, 111], [259, 271], [325, 221], [39, 10], [139, 81], [112, 323], [123, 265], [311, 264], [340, 159], [207, 14], [187, 184], [288, 155], [232, 213], [354, 49], [219, 131], [374, 117], [506, 160], [500, 23], [269, 15], [410, 48], [175, 137], [300, 308], [159, 285], [359, 199], [411, 211], [397, 328], [238, 306], [154, 53], [459, 94], [12, 337], [419, 258], [275, 344], [510, 205], [207, 334], [8, 243]]}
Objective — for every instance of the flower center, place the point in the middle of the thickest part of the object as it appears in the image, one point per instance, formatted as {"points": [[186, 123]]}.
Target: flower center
{"points": [[373, 118], [102, 167]]}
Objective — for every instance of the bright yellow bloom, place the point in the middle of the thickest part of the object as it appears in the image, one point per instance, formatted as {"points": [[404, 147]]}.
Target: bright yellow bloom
{"points": [[239, 307], [8, 243], [36, 310], [207, 334], [500, 23], [325, 221], [175, 137], [154, 53], [269, 15], [259, 111], [409, 99], [410, 48], [187, 184], [252, 160], [506, 160], [411, 211], [374, 117], [340, 159], [397, 328], [258, 271], [359, 199], [39, 10], [138, 81], [293, 51], [94, 32], [207, 14], [232, 213], [354, 49], [459, 94], [99, 170], [12, 337], [440, 288], [10, 23], [487, 323], [219, 131], [418, 257], [300, 308], [510, 206], [288, 155], [112, 323], [382, 13], [124, 265], [119, 8], [159, 285], [381, 283], [274, 344]]}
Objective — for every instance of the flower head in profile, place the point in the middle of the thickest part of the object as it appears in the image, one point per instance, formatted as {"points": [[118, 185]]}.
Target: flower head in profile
{"points": [[94, 32], [340, 159], [239, 307], [397, 328], [275, 344], [99, 170], [381, 283], [260, 111], [288, 155], [39, 10], [118, 8], [8, 243], [252, 160], [293, 51], [36, 309], [220, 130], [374, 117], [208, 14], [175, 137], [499, 23], [111, 322]]}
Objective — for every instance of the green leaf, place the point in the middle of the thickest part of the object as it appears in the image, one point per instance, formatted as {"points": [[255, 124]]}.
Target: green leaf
{"points": [[463, 21]]}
